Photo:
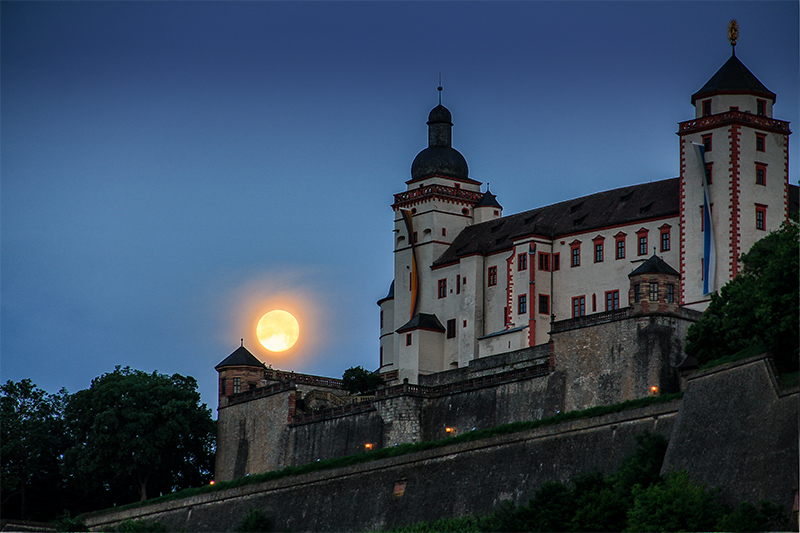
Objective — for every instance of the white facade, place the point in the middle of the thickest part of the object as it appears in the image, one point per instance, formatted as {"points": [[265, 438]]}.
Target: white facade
{"points": [[486, 284]]}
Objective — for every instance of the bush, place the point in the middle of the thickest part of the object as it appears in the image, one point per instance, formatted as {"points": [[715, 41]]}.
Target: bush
{"points": [[676, 504], [255, 521]]}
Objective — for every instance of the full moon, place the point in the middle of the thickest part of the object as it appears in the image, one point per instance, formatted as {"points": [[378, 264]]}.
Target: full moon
{"points": [[278, 330]]}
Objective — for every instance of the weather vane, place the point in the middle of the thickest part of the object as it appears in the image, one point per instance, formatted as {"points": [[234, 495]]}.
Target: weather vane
{"points": [[733, 34], [440, 88]]}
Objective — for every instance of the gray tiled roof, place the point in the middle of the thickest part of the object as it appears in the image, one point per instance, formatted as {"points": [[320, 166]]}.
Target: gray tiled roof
{"points": [[658, 199]]}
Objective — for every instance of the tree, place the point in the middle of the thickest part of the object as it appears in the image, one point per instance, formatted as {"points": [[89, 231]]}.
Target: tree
{"points": [[758, 308], [676, 504], [148, 432], [32, 445], [357, 380]]}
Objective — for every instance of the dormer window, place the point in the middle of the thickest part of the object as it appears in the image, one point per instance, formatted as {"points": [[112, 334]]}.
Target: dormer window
{"points": [[706, 108]]}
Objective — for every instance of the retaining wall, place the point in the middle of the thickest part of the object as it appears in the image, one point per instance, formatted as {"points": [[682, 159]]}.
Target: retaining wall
{"points": [[473, 477]]}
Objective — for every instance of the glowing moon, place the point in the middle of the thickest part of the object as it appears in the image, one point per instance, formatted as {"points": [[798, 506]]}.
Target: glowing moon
{"points": [[278, 330]]}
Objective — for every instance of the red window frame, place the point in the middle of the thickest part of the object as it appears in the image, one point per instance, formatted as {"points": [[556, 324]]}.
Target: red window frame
{"points": [[619, 245], [761, 217], [761, 173], [578, 306], [522, 262], [408, 339], [522, 304], [641, 239], [707, 142], [612, 300], [575, 254], [442, 288], [599, 252], [556, 261], [544, 261], [709, 173], [761, 142], [544, 304], [665, 238], [492, 276], [761, 107], [706, 108]]}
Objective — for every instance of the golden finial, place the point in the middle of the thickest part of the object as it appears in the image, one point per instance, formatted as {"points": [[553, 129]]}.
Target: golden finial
{"points": [[733, 33]]}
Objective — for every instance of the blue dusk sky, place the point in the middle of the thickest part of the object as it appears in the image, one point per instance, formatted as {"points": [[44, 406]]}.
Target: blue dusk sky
{"points": [[173, 170]]}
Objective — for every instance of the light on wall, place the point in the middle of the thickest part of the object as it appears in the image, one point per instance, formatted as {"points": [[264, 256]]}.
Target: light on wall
{"points": [[654, 390], [449, 430], [368, 446]]}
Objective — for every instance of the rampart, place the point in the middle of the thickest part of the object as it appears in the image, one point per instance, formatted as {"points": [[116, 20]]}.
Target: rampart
{"points": [[610, 359], [735, 427]]}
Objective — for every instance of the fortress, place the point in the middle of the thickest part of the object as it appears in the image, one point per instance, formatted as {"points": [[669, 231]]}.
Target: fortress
{"points": [[493, 319]]}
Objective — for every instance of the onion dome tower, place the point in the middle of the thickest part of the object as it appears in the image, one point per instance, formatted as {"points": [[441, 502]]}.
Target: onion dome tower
{"points": [[440, 158]]}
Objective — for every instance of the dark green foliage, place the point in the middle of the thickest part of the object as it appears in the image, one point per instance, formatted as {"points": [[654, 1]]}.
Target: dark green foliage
{"points": [[137, 433], [255, 521], [676, 504], [32, 443], [643, 466], [141, 526], [748, 517], [67, 523], [357, 380], [757, 308]]}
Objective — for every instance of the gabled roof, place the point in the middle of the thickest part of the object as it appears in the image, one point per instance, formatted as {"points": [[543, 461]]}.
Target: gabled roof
{"points": [[733, 77], [422, 321], [654, 265], [240, 357], [658, 199]]}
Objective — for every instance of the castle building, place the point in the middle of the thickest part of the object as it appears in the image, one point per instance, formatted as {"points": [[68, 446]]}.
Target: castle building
{"points": [[493, 319], [470, 282]]}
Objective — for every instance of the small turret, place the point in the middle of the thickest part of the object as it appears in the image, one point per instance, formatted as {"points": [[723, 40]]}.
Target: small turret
{"points": [[487, 208], [654, 288], [241, 371]]}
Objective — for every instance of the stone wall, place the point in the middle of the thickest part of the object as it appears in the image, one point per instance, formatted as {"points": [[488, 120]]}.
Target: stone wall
{"points": [[619, 360], [738, 429], [253, 436], [466, 478]]}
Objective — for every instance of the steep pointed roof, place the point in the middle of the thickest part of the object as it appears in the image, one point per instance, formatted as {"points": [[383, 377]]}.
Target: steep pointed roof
{"points": [[488, 200], [240, 357], [654, 265], [733, 77]]}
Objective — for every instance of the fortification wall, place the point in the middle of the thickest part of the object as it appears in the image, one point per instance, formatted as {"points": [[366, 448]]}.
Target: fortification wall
{"points": [[334, 437], [474, 477], [735, 428], [253, 436], [738, 418], [619, 360]]}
